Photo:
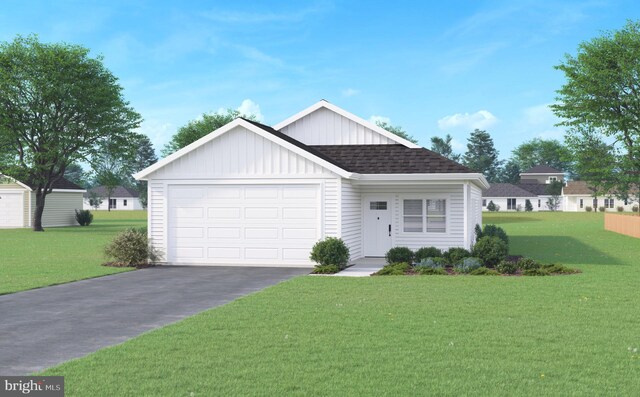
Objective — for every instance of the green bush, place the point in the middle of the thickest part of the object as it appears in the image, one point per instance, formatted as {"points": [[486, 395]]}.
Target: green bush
{"points": [[588, 209], [495, 231], [601, 209], [507, 267], [330, 251], [468, 265], [429, 271], [427, 252], [399, 255], [455, 255], [558, 269], [325, 269], [528, 264], [535, 272], [527, 205], [84, 217], [635, 208], [620, 208], [131, 248], [483, 271], [478, 232], [491, 206], [490, 250], [394, 269], [433, 263]]}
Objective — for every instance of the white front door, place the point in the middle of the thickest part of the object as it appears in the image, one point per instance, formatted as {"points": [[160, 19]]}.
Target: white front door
{"points": [[377, 225]]}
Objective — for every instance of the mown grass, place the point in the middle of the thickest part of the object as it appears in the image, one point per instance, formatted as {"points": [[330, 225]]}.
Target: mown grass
{"points": [[60, 254], [406, 335]]}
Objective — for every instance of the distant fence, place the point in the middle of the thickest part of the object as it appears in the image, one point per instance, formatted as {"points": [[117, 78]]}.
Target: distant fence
{"points": [[623, 224]]}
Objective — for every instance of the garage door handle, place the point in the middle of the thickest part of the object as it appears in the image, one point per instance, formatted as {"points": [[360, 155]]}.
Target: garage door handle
{"points": [[389, 230]]}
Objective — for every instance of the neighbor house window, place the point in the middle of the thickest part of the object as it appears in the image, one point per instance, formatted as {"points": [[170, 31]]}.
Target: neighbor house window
{"points": [[511, 204], [608, 203], [424, 215], [124, 203], [484, 202], [112, 203], [552, 179], [581, 203], [539, 203]]}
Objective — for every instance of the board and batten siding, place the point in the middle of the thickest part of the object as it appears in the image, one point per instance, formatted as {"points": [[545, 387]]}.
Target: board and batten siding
{"points": [[475, 212], [59, 208], [455, 234], [25, 200], [325, 127], [351, 221]]}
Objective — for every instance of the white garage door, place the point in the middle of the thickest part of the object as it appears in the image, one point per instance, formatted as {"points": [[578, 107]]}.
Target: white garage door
{"points": [[11, 209], [243, 224]]}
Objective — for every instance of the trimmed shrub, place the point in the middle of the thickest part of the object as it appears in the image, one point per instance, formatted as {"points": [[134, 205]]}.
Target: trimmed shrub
{"points": [[325, 269], [535, 272], [620, 208], [131, 248], [601, 209], [84, 217], [495, 231], [455, 255], [330, 251], [558, 269], [478, 231], [399, 255], [528, 264], [588, 208], [468, 265], [427, 252], [491, 206], [507, 267], [433, 263], [429, 271], [483, 271], [394, 269], [635, 208], [490, 250], [527, 205]]}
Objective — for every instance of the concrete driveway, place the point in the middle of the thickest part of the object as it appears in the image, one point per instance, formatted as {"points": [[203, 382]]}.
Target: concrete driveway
{"points": [[44, 327]]}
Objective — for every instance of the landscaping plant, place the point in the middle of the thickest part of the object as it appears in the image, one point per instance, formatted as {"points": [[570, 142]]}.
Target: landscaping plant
{"points": [[490, 250], [455, 255], [84, 217], [427, 252], [394, 269], [130, 248], [468, 265], [399, 255], [330, 251]]}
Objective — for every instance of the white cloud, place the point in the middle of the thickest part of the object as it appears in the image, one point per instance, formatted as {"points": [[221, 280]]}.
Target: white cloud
{"points": [[350, 92], [376, 118], [480, 119], [249, 107], [158, 131], [540, 121], [458, 146]]}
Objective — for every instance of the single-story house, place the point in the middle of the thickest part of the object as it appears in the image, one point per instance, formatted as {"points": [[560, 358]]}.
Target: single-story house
{"points": [[578, 196], [18, 203], [251, 194], [532, 186], [122, 199]]}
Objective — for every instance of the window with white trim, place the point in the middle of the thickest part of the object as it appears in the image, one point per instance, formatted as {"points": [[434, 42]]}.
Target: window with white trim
{"points": [[581, 203], [484, 202], [511, 204], [424, 215]]}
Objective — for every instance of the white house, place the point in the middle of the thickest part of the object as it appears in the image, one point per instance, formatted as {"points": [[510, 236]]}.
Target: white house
{"points": [[578, 196], [122, 199], [18, 203], [249, 194], [532, 186]]}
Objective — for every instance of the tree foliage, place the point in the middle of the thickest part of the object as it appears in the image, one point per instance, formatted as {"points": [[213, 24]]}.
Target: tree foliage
{"points": [[510, 173], [396, 129], [600, 103], [543, 152], [76, 174], [443, 147], [145, 156], [481, 155], [196, 129], [56, 105]]}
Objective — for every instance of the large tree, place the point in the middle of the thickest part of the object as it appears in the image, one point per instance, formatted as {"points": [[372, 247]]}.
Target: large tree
{"points": [[196, 129], [510, 173], [396, 129], [481, 155], [145, 156], [600, 103], [56, 104], [543, 152], [76, 174], [443, 147], [113, 167]]}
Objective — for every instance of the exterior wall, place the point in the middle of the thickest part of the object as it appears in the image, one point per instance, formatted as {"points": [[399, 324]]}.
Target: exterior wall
{"points": [[324, 127], [351, 222], [502, 202], [25, 200], [474, 212], [133, 203], [572, 203], [541, 178], [59, 209], [455, 235]]}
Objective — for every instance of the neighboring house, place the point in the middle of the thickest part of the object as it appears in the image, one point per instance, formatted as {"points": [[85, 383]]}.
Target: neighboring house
{"points": [[18, 203], [532, 186], [578, 196], [250, 194], [122, 198]]}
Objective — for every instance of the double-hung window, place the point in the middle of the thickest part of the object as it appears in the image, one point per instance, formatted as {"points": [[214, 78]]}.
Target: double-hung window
{"points": [[511, 204], [424, 215]]}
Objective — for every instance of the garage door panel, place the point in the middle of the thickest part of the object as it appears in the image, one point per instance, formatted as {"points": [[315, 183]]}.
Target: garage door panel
{"points": [[244, 224], [11, 209], [187, 193]]}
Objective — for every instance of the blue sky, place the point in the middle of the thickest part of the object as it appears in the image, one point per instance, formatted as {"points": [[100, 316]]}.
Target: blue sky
{"points": [[431, 67]]}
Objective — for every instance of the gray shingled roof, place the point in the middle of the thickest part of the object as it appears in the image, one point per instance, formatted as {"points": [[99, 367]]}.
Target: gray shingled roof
{"points": [[62, 184], [119, 191], [506, 190], [542, 169], [538, 189]]}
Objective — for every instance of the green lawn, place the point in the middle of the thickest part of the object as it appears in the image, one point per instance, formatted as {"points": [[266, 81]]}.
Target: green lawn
{"points": [[429, 335], [60, 254]]}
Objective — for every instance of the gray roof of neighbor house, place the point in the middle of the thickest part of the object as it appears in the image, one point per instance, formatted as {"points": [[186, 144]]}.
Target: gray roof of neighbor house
{"points": [[120, 191], [376, 159], [61, 184], [542, 169], [538, 189], [506, 190], [577, 187]]}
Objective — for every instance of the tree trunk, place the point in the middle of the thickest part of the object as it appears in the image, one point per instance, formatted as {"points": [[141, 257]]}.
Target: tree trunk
{"points": [[37, 215], [109, 203]]}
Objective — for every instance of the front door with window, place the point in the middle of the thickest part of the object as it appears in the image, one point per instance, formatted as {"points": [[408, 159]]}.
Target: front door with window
{"points": [[377, 226]]}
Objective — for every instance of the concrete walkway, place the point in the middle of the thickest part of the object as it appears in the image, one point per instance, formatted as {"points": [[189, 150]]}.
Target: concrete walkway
{"points": [[44, 327], [363, 267]]}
